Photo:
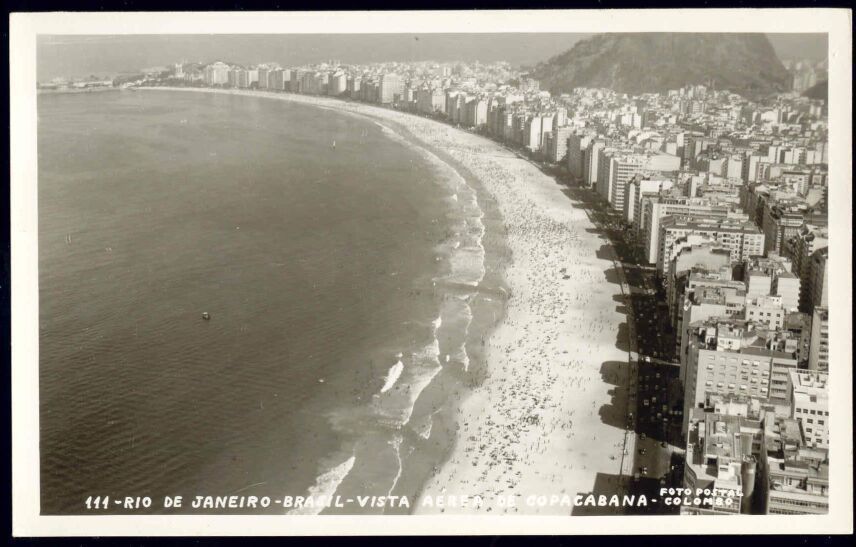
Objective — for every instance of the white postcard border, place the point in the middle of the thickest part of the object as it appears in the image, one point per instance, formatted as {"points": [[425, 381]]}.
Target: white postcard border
{"points": [[26, 520]]}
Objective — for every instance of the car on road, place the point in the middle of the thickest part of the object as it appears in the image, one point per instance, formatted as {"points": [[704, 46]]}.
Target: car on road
{"points": [[642, 451]]}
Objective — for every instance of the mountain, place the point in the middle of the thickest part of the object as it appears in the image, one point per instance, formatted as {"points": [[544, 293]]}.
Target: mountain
{"points": [[637, 63], [818, 91]]}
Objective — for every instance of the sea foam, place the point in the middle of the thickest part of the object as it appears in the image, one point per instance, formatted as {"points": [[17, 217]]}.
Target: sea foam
{"points": [[325, 486], [392, 376]]}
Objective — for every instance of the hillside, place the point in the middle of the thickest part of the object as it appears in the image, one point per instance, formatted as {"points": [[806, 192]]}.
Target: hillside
{"points": [[656, 62], [818, 91]]}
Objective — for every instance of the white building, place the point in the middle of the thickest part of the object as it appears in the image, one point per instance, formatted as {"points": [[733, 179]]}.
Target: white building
{"points": [[818, 353], [810, 406]]}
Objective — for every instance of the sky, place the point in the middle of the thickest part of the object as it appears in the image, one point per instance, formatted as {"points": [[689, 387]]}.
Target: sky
{"points": [[77, 56]]}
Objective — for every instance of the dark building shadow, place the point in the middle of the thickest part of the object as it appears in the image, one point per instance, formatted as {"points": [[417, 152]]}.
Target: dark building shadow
{"points": [[622, 341], [651, 386], [614, 413], [604, 485], [650, 488], [614, 372], [611, 275], [605, 252]]}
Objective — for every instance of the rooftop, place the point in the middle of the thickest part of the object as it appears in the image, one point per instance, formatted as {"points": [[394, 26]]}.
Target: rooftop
{"points": [[809, 382]]}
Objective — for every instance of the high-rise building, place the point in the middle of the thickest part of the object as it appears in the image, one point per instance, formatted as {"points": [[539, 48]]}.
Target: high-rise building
{"points": [[313, 83], [558, 152], [264, 77], [277, 79], [655, 208], [455, 101], [693, 252], [475, 112], [741, 237], [234, 76], [786, 286], [243, 78], [734, 166], [532, 133], [614, 172], [733, 357], [430, 101], [638, 187], [794, 479], [772, 276], [722, 456], [799, 250], [781, 222], [546, 127], [295, 85], [766, 311], [577, 144], [810, 405], [749, 168], [818, 280], [390, 85], [758, 283], [702, 294], [338, 84], [592, 159], [818, 353], [216, 74]]}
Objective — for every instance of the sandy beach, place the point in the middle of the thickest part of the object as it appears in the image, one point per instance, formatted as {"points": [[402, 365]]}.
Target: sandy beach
{"points": [[548, 418]]}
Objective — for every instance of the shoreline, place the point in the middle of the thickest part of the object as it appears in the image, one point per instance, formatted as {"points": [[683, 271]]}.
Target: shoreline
{"points": [[554, 371], [486, 301], [72, 91]]}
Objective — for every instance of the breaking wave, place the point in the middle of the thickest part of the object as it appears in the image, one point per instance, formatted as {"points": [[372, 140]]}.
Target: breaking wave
{"points": [[326, 485], [392, 376]]}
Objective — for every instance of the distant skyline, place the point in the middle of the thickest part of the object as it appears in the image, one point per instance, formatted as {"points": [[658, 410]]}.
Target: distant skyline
{"points": [[78, 56]]}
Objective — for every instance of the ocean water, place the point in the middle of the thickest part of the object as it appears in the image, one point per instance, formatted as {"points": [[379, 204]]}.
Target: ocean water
{"points": [[341, 280]]}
